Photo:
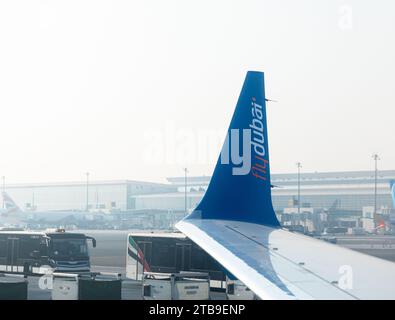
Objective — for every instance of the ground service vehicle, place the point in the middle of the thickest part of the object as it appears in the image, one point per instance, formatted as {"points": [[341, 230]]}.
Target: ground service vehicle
{"points": [[40, 252]]}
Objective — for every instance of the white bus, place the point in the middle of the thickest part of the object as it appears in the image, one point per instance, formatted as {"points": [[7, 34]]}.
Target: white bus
{"points": [[31, 252], [169, 253]]}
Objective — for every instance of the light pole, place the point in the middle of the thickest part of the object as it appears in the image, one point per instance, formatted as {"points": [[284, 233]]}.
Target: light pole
{"points": [[3, 180], [375, 157], [87, 191], [298, 165], [186, 185]]}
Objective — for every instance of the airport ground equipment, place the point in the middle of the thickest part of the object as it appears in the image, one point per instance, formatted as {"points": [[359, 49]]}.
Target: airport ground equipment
{"points": [[88, 286], [32, 253], [236, 290], [64, 286], [169, 252], [176, 286], [13, 287], [100, 286]]}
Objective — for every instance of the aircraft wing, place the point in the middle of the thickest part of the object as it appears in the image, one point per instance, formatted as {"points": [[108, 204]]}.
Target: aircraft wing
{"points": [[236, 224], [278, 264]]}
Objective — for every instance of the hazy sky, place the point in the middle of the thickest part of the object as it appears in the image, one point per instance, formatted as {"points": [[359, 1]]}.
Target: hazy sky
{"points": [[130, 89]]}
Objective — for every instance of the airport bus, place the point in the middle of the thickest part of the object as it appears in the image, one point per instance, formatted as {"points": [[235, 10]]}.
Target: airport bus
{"points": [[31, 252], [172, 253], [169, 253]]}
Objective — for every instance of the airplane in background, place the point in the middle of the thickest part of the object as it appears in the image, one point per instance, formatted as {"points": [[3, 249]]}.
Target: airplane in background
{"points": [[13, 215], [392, 190], [10, 214], [9, 206], [236, 224]]}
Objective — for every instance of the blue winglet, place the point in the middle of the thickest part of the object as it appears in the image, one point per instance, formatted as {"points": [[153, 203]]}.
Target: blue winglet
{"points": [[392, 186], [240, 187]]}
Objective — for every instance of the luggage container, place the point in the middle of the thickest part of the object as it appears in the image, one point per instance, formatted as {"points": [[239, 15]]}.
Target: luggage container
{"points": [[64, 286], [13, 287], [176, 286], [100, 286], [237, 290], [90, 286]]}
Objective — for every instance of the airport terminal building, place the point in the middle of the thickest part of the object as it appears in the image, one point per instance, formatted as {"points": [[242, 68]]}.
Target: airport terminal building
{"points": [[348, 191], [342, 191], [117, 195]]}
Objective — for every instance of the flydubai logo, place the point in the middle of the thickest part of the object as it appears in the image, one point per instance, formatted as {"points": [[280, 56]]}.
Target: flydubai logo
{"points": [[249, 160]]}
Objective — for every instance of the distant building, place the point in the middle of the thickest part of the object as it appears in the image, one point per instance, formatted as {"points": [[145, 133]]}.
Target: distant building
{"points": [[341, 192], [118, 195], [311, 220]]}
